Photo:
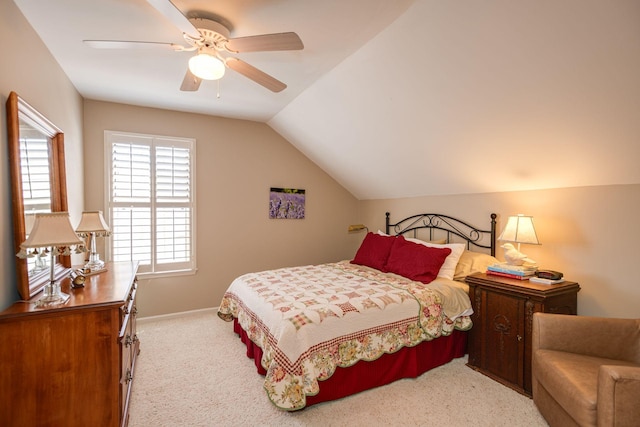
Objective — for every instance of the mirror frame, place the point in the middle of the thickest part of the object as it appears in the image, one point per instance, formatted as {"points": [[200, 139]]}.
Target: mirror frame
{"points": [[18, 109]]}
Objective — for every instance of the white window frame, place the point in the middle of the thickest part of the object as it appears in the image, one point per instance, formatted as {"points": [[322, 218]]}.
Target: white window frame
{"points": [[155, 268]]}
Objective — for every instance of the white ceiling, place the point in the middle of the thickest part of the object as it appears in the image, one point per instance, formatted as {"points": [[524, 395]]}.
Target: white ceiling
{"points": [[397, 98], [331, 30]]}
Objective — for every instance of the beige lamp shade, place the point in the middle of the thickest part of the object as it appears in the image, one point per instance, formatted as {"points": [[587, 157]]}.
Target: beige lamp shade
{"points": [[51, 230], [93, 222], [520, 229]]}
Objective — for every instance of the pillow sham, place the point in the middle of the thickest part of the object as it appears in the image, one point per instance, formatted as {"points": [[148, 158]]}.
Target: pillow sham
{"points": [[374, 251], [448, 269], [473, 262], [416, 262]]}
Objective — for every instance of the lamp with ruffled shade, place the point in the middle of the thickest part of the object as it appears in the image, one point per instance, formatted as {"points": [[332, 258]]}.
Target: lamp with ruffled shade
{"points": [[52, 234], [92, 225]]}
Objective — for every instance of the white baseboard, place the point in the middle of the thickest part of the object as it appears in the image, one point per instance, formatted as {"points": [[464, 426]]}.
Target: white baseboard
{"points": [[174, 315]]}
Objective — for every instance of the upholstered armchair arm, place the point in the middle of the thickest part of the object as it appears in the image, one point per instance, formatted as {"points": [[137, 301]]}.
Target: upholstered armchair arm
{"points": [[593, 336], [618, 393]]}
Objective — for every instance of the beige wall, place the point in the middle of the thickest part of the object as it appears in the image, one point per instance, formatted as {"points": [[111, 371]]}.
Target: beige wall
{"points": [[589, 233], [237, 161], [29, 70]]}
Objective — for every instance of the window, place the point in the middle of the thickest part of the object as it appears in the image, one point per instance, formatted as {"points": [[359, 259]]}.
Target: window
{"points": [[150, 200]]}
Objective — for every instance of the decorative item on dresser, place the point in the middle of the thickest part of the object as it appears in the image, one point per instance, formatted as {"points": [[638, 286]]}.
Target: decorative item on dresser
{"points": [[92, 225], [500, 340], [51, 234], [72, 364]]}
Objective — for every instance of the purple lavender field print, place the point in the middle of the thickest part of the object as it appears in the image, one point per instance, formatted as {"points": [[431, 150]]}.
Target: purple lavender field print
{"points": [[286, 203]]}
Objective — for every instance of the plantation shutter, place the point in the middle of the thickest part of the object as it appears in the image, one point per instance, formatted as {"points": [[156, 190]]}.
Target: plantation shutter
{"points": [[36, 176], [173, 207], [151, 201], [36, 182]]}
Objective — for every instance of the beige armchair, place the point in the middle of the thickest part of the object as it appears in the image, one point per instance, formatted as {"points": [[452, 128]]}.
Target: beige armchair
{"points": [[586, 370]]}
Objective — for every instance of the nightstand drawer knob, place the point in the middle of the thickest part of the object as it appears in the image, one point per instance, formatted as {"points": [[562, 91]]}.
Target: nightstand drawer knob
{"points": [[519, 337]]}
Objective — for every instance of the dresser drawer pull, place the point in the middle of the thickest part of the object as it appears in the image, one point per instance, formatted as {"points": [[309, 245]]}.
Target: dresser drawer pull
{"points": [[132, 294], [128, 307]]}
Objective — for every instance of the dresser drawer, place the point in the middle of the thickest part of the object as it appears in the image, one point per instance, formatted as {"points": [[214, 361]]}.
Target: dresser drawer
{"points": [[129, 348], [128, 309]]}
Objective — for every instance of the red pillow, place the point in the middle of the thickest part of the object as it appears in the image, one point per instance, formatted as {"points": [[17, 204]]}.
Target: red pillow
{"points": [[374, 251], [414, 261]]}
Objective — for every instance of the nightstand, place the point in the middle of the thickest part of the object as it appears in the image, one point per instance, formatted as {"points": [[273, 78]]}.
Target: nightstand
{"points": [[500, 340]]}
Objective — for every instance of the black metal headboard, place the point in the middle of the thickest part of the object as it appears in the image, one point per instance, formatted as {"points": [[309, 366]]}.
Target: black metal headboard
{"points": [[473, 236]]}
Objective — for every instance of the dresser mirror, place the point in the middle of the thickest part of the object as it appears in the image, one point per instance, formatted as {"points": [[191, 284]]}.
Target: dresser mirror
{"points": [[38, 184]]}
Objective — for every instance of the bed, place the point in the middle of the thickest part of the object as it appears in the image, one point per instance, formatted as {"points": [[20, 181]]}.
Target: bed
{"points": [[397, 309]]}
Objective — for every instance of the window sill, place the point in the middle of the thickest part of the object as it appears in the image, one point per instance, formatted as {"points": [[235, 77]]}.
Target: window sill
{"points": [[163, 274]]}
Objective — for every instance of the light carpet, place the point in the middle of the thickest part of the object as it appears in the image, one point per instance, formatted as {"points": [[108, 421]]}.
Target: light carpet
{"points": [[192, 371]]}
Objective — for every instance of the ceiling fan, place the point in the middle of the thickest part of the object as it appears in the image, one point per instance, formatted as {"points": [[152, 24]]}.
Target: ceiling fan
{"points": [[210, 39]]}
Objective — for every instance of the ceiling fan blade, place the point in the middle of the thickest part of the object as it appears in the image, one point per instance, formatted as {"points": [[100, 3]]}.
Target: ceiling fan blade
{"points": [[128, 44], [176, 17], [190, 82], [256, 75], [265, 42]]}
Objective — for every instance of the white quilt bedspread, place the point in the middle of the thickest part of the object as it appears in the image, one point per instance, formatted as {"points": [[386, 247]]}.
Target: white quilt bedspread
{"points": [[308, 320]]}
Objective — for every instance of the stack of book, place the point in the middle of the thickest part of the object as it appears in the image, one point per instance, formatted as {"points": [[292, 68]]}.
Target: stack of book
{"points": [[521, 272]]}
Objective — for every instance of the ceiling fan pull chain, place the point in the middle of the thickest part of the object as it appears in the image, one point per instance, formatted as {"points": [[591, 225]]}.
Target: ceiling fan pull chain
{"points": [[218, 94]]}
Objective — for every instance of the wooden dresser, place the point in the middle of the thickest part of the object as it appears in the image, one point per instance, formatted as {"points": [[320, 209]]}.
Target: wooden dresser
{"points": [[71, 365], [500, 339]]}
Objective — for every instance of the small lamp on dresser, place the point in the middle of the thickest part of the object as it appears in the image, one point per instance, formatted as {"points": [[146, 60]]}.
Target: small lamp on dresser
{"points": [[52, 234], [92, 225]]}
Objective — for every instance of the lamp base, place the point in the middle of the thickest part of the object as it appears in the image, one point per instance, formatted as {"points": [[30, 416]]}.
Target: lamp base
{"points": [[94, 265], [52, 296]]}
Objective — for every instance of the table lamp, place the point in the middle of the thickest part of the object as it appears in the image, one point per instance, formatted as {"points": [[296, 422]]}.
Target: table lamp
{"points": [[93, 224], [519, 229], [53, 234]]}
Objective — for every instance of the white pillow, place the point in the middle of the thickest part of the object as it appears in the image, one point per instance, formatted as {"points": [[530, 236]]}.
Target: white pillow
{"points": [[448, 269]]}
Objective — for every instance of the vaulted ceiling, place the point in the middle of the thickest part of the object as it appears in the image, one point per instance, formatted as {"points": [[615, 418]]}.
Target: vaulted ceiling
{"points": [[396, 99]]}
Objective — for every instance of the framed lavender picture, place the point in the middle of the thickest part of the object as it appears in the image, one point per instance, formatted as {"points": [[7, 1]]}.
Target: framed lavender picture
{"points": [[287, 203]]}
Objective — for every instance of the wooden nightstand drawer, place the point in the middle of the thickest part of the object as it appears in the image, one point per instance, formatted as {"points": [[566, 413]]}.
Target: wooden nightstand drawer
{"points": [[500, 339]]}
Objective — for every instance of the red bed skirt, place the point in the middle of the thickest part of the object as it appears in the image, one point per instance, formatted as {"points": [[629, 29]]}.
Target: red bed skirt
{"points": [[408, 362]]}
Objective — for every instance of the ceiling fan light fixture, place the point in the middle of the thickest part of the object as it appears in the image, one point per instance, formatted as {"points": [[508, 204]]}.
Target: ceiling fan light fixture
{"points": [[206, 66]]}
